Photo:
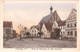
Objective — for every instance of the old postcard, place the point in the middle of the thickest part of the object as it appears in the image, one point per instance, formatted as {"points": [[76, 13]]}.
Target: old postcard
{"points": [[40, 25]]}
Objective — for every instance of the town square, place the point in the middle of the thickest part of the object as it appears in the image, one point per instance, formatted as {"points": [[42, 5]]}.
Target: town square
{"points": [[40, 25]]}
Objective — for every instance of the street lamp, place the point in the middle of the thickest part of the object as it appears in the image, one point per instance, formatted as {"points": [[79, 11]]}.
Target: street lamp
{"points": [[20, 28]]}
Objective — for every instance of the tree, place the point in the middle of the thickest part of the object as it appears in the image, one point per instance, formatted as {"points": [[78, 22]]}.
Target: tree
{"points": [[28, 33], [40, 34], [56, 33], [52, 35], [20, 28]]}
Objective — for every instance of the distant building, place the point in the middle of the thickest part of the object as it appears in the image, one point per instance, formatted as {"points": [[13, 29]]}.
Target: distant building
{"points": [[14, 33], [34, 31], [48, 22], [24, 31], [71, 24], [7, 29]]}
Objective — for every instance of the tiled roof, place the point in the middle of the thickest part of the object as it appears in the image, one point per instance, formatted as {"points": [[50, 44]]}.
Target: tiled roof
{"points": [[54, 16], [35, 26], [49, 26], [7, 24], [48, 17], [62, 23]]}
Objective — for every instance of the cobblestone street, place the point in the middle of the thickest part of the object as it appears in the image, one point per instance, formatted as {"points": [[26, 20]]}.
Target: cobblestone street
{"points": [[39, 43]]}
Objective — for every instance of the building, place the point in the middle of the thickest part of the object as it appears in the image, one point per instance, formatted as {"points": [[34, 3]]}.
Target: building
{"points": [[24, 31], [48, 22], [14, 33], [34, 31], [56, 24], [7, 29], [71, 24], [62, 26], [46, 29]]}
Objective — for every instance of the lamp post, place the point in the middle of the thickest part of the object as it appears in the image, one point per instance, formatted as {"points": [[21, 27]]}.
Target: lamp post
{"points": [[20, 28]]}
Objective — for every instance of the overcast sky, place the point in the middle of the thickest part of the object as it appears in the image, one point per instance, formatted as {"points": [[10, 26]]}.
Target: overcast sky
{"points": [[28, 14]]}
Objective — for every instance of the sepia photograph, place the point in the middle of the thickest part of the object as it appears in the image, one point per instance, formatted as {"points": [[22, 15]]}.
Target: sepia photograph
{"points": [[40, 25]]}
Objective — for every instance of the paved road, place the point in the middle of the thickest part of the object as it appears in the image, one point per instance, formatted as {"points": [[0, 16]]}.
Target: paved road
{"points": [[40, 43]]}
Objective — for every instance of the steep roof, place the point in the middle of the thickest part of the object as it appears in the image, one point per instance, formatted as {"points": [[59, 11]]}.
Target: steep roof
{"points": [[45, 20], [72, 13], [7, 24], [49, 26], [34, 26], [62, 23], [48, 17]]}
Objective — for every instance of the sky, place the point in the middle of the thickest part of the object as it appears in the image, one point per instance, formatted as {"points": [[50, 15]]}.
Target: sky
{"points": [[29, 14]]}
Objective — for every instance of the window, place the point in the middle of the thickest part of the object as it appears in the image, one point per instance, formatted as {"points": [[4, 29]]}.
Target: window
{"points": [[35, 34], [68, 33], [71, 33], [32, 30], [67, 25], [75, 24], [75, 33], [71, 25]]}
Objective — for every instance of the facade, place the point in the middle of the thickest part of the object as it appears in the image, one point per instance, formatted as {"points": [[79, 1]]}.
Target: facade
{"points": [[34, 32], [71, 24], [7, 29]]}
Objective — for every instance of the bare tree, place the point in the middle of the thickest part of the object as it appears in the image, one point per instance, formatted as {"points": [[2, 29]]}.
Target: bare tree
{"points": [[20, 28]]}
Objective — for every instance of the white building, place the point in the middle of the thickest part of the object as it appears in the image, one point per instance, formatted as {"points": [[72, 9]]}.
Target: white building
{"points": [[71, 24], [46, 29], [34, 31]]}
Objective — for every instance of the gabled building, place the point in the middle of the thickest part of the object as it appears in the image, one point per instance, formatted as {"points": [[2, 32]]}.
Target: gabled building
{"points": [[7, 29], [71, 24], [24, 31], [48, 22], [56, 24], [46, 29], [34, 31], [51, 18]]}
